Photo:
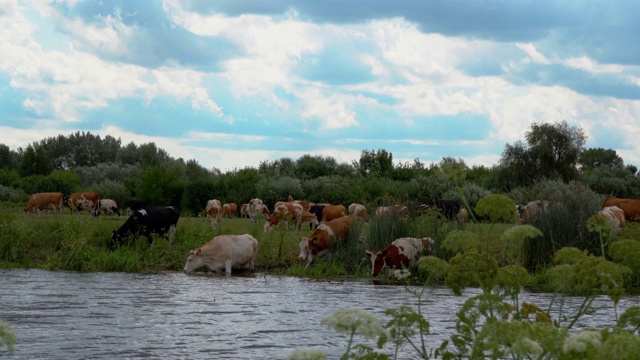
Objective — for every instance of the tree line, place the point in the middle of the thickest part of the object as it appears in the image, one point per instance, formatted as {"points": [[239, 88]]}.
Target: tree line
{"points": [[86, 162]]}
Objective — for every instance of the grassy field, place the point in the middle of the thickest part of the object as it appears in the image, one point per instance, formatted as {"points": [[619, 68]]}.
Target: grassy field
{"points": [[80, 243]]}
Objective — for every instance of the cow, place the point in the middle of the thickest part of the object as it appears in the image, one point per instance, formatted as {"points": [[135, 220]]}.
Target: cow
{"points": [[39, 202], [448, 208], [109, 206], [403, 253], [224, 251], [89, 201], [394, 210], [317, 209], [463, 215], [616, 215], [305, 204], [310, 218], [135, 204], [255, 207], [285, 211], [244, 210], [150, 220], [359, 211], [212, 211], [228, 210], [533, 209], [331, 212], [631, 207], [317, 244]]}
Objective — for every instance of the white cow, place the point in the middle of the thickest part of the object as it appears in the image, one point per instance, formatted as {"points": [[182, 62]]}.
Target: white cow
{"points": [[224, 251], [616, 215], [213, 211], [255, 207], [109, 206]]}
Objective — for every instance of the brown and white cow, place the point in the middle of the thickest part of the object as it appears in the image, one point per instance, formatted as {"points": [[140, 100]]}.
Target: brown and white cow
{"points": [[89, 201], [631, 207], [213, 211], [403, 253], [463, 215], [533, 209], [304, 203], [224, 252], [244, 210], [616, 215], [331, 212], [228, 210], [109, 206], [287, 212], [255, 207], [394, 210], [39, 202], [359, 211], [317, 244]]}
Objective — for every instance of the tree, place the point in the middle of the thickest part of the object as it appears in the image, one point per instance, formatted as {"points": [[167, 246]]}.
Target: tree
{"points": [[375, 163], [597, 157], [312, 167], [551, 152], [35, 162], [8, 158]]}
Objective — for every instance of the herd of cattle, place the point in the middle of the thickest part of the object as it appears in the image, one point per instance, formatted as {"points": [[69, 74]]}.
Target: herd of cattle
{"points": [[331, 223]]}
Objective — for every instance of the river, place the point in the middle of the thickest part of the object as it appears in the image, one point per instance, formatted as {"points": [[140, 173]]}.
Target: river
{"points": [[68, 315]]}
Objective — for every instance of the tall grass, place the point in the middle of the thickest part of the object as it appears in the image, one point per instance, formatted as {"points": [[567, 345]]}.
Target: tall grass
{"points": [[563, 224]]}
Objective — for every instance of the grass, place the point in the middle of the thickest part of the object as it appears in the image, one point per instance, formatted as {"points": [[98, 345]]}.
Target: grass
{"points": [[80, 243]]}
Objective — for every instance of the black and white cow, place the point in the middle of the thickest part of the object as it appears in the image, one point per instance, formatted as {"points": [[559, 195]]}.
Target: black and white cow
{"points": [[148, 221], [316, 209]]}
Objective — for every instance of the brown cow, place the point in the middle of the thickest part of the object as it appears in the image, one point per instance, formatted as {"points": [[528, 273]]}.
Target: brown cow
{"points": [[616, 215], [317, 244], [43, 201], [213, 211], [631, 207], [285, 211], [89, 201], [359, 211], [228, 210], [394, 210], [331, 212], [244, 210]]}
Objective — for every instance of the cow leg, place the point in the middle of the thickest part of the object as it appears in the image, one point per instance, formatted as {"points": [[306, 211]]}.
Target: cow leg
{"points": [[172, 232], [227, 267]]}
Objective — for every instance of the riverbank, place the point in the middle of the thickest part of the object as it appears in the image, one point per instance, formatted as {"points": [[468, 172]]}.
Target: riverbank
{"points": [[80, 243]]}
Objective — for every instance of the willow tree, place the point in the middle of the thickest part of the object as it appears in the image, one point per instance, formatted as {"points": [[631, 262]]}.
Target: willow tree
{"points": [[551, 152]]}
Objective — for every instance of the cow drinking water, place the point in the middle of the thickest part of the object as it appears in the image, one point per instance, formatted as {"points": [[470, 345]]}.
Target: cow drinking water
{"points": [[224, 252]]}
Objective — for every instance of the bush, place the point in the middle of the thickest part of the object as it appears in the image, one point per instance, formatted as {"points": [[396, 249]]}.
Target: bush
{"points": [[564, 224]]}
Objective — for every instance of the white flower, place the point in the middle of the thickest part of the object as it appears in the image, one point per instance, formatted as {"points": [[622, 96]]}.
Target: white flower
{"points": [[308, 355], [526, 346], [349, 321], [580, 341], [402, 274]]}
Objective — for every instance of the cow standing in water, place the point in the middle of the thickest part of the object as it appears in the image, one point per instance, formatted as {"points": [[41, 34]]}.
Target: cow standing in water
{"points": [[148, 221], [224, 252], [403, 253]]}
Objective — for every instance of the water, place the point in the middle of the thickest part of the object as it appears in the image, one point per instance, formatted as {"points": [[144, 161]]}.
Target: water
{"points": [[67, 315]]}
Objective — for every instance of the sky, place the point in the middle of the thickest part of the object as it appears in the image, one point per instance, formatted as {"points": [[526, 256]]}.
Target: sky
{"points": [[235, 83]]}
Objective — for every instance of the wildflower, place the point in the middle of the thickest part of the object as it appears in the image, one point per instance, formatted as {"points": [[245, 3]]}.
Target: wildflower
{"points": [[308, 355], [402, 274], [580, 342], [355, 321], [525, 346]]}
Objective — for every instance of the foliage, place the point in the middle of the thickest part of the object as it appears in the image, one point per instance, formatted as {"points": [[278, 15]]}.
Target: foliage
{"points": [[460, 241], [11, 194], [551, 152], [7, 337], [374, 163], [160, 186], [35, 162], [564, 223], [497, 208], [273, 190]]}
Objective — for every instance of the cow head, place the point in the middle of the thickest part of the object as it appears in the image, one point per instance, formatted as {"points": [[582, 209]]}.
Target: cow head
{"points": [[377, 261], [194, 260], [304, 249]]}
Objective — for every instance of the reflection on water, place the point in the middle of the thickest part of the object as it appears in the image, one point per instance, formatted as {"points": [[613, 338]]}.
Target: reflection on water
{"points": [[66, 315]]}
